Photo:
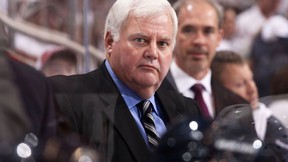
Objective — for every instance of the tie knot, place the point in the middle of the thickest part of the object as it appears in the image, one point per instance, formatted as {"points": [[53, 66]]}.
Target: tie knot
{"points": [[145, 106], [197, 87]]}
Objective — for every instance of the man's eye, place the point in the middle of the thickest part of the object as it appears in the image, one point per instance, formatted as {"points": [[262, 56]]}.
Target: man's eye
{"points": [[188, 30], [163, 43], [240, 84], [140, 40], [209, 31]]}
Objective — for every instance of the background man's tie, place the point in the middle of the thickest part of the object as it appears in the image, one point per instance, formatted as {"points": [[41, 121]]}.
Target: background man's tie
{"points": [[197, 89], [147, 121]]}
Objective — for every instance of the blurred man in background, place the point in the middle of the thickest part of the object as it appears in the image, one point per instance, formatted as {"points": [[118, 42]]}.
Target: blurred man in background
{"points": [[198, 36]]}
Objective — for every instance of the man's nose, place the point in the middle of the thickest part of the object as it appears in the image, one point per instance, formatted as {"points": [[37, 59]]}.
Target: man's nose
{"points": [[152, 51], [252, 87], [199, 38]]}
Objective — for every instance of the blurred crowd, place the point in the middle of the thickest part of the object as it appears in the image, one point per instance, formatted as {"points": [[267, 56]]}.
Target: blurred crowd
{"points": [[255, 29], [54, 37]]}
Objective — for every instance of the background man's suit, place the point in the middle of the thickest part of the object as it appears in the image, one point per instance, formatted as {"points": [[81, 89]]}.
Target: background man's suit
{"points": [[95, 108]]}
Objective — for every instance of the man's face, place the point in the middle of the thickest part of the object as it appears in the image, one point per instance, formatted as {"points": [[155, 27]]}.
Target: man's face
{"points": [[239, 79], [60, 67], [197, 38], [143, 54], [269, 6], [229, 23]]}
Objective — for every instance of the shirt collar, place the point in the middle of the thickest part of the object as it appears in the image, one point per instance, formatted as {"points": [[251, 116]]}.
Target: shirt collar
{"points": [[184, 82]]}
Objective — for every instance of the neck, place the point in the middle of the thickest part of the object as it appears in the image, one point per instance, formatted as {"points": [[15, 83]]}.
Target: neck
{"points": [[145, 94], [198, 75], [196, 72]]}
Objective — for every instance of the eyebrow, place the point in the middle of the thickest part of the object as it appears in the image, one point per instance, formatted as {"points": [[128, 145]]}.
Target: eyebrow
{"points": [[166, 39], [140, 34]]}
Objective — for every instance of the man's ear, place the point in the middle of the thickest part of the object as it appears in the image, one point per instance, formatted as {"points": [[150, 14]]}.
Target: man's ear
{"points": [[108, 42]]}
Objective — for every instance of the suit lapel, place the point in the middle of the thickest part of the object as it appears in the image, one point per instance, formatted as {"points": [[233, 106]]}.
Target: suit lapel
{"points": [[125, 125], [168, 106], [121, 118], [171, 80]]}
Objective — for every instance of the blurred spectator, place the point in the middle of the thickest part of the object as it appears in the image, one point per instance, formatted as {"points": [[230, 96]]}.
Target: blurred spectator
{"points": [[229, 28], [283, 8], [54, 15], [229, 20], [269, 52], [239, 134], [28, 120], [250, 22], [275, 27], [59, 62], [232, 80], [230, 138], [41, 14], [240, 5], [200, 32], [32, 46], [4, 6], [30, 128], [279, 90], [247, 119], [35, 11], [27, 113]]}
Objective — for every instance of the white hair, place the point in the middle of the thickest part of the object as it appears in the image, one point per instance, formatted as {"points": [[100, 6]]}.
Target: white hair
{"points": [[121, 9]]}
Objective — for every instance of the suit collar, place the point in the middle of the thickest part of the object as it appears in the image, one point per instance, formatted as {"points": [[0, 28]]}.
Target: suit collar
{"points": [[125, 125], [169, 78], [169, 107]]}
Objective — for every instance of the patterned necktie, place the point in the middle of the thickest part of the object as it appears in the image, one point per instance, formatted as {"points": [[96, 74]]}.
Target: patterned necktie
{"points": [[197, 89], [147, 121]]}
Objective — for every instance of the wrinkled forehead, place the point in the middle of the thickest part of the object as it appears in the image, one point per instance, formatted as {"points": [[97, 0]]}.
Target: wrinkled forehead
{"points": [[160, 25]]}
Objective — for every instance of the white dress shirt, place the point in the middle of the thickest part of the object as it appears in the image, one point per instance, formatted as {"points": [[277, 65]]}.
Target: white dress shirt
{"points": [[261, 116], [249, 24], [184, 82]]}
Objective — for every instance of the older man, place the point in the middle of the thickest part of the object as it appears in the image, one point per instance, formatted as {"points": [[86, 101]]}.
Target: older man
{"points": [[118, 107]]}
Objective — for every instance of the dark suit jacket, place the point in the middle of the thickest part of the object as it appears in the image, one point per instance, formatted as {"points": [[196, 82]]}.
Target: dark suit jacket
{"points": [[26, 107], [169, 82], [96, 109]]}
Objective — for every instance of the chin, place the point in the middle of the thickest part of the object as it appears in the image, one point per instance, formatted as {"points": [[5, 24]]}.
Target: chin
{"points": [[146, 81], [149, 83]]}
